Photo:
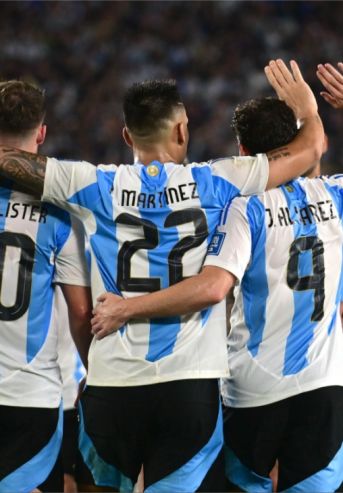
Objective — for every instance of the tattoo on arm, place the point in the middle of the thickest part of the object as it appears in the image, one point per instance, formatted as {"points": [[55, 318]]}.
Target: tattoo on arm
{"points": [[278, 153], [24, 168]]}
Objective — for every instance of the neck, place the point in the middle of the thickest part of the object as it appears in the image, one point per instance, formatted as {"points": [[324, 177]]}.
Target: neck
{"points": [[146, 157], [28, 145]]}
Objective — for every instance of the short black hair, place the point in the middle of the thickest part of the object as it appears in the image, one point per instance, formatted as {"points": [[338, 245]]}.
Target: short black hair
{"points": [[148, 104], [22, 107], [264, 124]]}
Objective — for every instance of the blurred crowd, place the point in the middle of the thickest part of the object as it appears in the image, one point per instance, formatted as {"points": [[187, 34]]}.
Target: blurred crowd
{"points": [[85, 54]]}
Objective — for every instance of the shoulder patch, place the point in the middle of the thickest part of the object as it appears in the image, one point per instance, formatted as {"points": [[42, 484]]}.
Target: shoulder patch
{"points": [[216, 243]]}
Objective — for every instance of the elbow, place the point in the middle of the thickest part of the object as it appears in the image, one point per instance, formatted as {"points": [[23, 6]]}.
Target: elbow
{"points": [[216, 293]]}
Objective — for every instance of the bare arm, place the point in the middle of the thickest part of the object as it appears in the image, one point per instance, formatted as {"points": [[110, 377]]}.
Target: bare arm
{"points": [[24, 168], [306, 149], [188, 296], [79, 303], [332, 80]]}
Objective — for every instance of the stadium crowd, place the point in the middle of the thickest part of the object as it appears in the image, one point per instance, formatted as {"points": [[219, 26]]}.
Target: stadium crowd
{"points": [[87, 53]]}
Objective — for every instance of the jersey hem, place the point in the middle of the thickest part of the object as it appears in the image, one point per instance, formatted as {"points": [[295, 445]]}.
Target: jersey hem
{"points": [[285, 395], [157, 379], [32, 403]]}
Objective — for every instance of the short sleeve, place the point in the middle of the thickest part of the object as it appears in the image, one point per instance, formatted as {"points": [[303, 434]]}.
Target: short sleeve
{"points": [[249, 174], [230, 247], [70, 262], [66, 179]]}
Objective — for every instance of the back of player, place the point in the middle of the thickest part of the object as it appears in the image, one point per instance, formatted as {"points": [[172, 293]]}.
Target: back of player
{"points": [[292, 304], [36, 248], [286, 341], [149, 225]]}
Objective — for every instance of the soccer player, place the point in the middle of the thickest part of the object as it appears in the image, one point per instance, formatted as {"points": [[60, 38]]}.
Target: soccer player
{"points": [[152, 392], [39, 246], [284, 394]]}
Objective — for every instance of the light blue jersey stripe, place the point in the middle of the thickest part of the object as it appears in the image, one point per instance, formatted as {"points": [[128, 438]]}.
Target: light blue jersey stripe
{"points": [[34, 472], [104, 240], [336, 193], [5, 194], [50, 237], [255, 289], [302, 329], [164, 331], [190, 476]]}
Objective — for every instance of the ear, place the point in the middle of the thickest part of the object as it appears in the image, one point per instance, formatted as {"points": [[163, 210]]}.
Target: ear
{"points": [[40, 138], [181, 133], [127, 137]]}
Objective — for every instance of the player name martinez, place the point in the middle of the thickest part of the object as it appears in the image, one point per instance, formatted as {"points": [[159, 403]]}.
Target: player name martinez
{"points": [[31, 212], [311, 214], [169, 195]]}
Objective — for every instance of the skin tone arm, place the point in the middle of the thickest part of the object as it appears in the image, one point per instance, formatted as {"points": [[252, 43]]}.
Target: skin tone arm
{"points": [[288, 162], [307, 147], [332, 80], [79, 304], [189, 296]]}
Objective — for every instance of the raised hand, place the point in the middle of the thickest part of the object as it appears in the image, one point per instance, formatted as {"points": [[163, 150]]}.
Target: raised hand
{"points": [[292, 88], [332, 80]]}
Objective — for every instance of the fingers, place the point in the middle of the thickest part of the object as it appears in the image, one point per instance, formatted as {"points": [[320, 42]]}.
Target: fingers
{"points": [[331, 79], [296, 71], [284, 71], [329, 99], [273, 81]]}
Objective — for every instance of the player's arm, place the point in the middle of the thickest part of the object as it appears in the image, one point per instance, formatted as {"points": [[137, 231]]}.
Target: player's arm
{"points": [[223, 266], [332, 80], [189, 296], [79, 302], [299, 155], [72, 274], [24, 168]]}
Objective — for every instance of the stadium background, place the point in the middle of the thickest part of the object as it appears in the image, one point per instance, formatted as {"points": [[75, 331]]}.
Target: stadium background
{"points": [[86, 53]]}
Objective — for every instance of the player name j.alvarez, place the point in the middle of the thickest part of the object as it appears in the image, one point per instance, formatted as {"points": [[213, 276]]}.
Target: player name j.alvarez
{"points": [[317, 212]]}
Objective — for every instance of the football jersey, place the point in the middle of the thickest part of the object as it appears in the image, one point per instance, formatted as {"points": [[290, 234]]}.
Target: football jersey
{"points": [[39, 245], [285, 248], [69, 361], [148, 227]]}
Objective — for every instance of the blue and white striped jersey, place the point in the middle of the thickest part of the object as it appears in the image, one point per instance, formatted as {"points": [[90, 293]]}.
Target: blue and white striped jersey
{"points": [[38, 246], [285, 247], [149, 227]]}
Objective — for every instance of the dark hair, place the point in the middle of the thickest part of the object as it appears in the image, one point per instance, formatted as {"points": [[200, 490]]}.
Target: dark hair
{"points": [[22, 107], [264, 124], [148, 104]]}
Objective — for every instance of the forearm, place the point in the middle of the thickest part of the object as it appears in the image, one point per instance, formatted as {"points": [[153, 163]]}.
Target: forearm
{"points": [[80, 330], [24, 168], [300, 155], [79, 302], [188, 296]]}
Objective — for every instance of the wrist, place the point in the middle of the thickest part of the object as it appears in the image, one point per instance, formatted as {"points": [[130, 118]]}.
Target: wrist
{"points": [[127, 309]]}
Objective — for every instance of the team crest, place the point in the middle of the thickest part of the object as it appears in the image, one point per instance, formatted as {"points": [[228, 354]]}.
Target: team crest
{"points": [[289, 188], [152, 170]]}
